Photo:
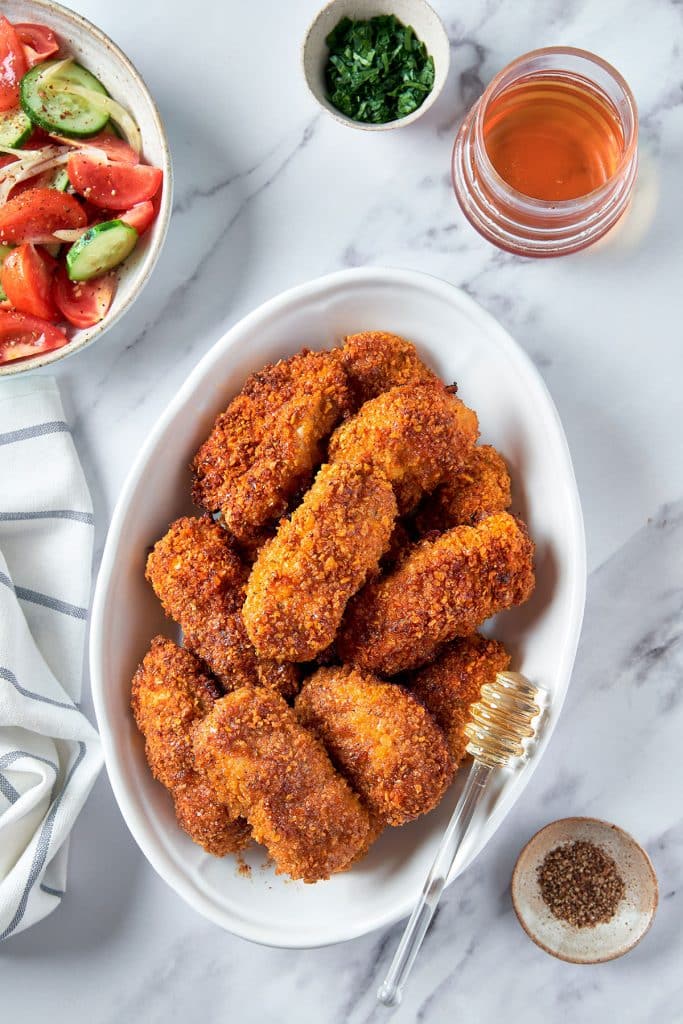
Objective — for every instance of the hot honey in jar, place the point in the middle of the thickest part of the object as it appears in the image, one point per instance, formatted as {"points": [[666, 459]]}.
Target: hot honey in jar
{"points": [[553, 138], [545, 162]]}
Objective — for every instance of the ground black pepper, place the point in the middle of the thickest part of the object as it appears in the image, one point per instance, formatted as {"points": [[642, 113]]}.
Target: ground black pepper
{"points": [[580, 884]]}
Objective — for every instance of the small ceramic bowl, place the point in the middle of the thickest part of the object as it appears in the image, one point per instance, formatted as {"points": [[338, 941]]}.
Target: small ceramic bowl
{"points": [[417, 13], [601, 942], [92, 48]]}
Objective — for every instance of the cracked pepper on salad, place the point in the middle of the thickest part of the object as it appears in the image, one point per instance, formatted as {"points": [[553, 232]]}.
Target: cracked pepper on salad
{"points": [[75, 194]]}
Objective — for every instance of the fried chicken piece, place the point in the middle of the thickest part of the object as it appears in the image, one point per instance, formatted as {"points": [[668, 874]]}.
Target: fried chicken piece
{"points": [[445, 588], [452, 683], [170, 694], [481, 485], [266, 766], [376, 361], [201, 584], [263, 449], [400, 544], [302, 580], [416, 434], [381, 738]]}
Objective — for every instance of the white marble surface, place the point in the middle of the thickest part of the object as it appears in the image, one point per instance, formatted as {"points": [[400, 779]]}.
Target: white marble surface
{"points": [[269, 193]]}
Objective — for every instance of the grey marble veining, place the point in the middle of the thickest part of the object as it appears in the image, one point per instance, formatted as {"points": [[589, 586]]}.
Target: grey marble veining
{"points": [[270, 193]]}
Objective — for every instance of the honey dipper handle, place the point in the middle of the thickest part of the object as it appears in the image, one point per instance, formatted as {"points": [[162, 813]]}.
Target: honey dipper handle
{"points": [[391, 991]]}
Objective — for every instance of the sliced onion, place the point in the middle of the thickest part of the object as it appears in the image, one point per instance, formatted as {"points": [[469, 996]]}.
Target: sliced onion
{"points": [[79, 144], [20, 170], [52, 70], [30, 54], [23, 154], [69, 234]]}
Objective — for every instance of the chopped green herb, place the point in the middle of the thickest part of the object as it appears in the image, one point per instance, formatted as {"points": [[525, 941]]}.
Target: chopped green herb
{"points": [[378, 70]]}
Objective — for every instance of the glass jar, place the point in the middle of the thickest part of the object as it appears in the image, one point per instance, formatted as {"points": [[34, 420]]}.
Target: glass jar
{"points": [[519, 223]]}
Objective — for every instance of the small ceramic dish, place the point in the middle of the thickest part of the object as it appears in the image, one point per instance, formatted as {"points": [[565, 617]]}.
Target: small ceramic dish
{"points": [[417, 13], [92, 48], [601, 942]]}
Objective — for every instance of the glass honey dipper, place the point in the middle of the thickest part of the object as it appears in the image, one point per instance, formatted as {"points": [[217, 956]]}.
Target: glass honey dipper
{"points": [[499, 727]]}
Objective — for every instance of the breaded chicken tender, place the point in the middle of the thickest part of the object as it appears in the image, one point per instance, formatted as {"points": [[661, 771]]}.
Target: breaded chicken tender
{"points": [[170, 695], [265, 765], [303, 578], [445, 588], [400, 544], [452, 683], [263, 449], [482, 484], [376, 361], [416, 434], [201, 583], [381, 738]]}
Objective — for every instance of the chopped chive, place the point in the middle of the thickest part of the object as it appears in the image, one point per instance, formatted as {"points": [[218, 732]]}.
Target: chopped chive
{"points": [[378, 70]]}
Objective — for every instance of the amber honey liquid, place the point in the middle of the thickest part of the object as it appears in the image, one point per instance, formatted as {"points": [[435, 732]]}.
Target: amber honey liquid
{"points": [[553, 138]]}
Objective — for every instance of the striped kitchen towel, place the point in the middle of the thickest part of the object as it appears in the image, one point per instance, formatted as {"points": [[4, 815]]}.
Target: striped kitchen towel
{"points": [[49, 753]]}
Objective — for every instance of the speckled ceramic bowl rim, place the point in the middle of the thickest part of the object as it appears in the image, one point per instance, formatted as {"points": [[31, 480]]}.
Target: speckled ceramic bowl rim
{"points": [[631, 842], [163, 215], [400, 122]]}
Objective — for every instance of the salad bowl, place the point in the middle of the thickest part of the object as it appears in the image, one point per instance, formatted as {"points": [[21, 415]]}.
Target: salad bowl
{"points": [[462, 343], [89, 46]]}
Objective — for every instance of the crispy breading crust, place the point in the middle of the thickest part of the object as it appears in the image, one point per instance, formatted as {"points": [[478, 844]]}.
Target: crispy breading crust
{"points": [[452, 683], [302, 580], [376, 361], [445, 588], [416, 434], [201, 584], [265, 765], [230, 447], [170, 694], [481, 485], [264, 448], [400, 544], [381, 738]]}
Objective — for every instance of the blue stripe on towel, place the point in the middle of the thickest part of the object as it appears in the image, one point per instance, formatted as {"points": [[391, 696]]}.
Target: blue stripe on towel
{"points": [[58, 513], [5, 673], [37, 430], [8, 791], [54, 603], [42, 847]]}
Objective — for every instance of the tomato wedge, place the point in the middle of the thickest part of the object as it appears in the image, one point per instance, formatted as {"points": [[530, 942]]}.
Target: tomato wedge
{"points": [[38, 139], [42, 180], [140, 216], [83, 303], [39, 42], [22, 336], [26, 277], [118, 150], [12, 65], [37, 214], [114, 186]]}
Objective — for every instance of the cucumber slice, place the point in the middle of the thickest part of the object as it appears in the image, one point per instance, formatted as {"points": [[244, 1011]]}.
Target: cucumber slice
{"points": [[5, 250], [15, 128], [58, 112], [61, 180], [99, 249]]}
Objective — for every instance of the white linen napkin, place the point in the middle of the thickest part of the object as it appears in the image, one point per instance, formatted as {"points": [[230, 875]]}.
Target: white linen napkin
{"points": [[50, 755]]}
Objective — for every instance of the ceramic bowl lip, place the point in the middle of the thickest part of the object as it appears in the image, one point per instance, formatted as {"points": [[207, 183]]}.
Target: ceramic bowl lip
{"points": [[606, 826], [163, 217], [400, 122], [135, 818]]}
